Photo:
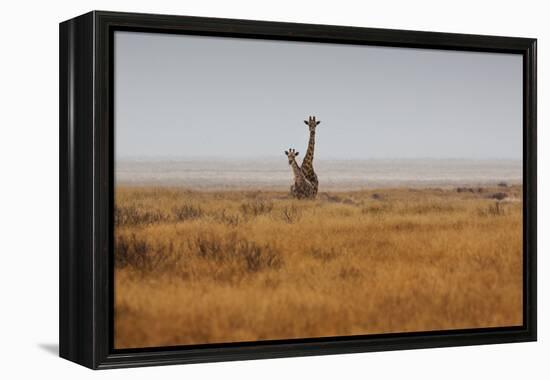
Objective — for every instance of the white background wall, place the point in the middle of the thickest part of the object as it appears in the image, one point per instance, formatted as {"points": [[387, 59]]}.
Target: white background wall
{"points": [[29, 192]]}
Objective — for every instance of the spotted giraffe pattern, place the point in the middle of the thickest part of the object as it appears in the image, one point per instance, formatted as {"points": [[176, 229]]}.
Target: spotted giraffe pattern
{"points": [[307, 163], [302, 188]]}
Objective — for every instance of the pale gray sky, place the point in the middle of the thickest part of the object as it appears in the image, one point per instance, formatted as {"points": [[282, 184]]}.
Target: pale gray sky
{"points": [[195, 96]]}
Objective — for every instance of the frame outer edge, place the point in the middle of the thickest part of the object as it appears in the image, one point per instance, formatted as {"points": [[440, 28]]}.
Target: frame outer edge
{"points": [[76, 334], [531, 234], [84, 176], [66, 327]]}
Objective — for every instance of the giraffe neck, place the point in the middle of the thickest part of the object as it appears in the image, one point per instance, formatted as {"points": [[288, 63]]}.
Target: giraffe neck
{"points": [[298, 175], [307, 163]]}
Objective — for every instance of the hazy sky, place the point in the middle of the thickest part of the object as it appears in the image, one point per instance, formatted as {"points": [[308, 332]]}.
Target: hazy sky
{"points": [[194, 96]]}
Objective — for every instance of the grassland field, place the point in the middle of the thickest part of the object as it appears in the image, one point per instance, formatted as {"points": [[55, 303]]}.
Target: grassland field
{"points": [[194, 267]]}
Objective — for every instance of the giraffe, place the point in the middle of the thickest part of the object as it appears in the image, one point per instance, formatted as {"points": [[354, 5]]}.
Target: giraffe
{"points": [[301, 188], [307, 163]]}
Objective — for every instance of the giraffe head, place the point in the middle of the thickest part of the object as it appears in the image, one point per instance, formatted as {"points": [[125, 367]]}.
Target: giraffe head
{"points": [[291, 153], [312, 123]]}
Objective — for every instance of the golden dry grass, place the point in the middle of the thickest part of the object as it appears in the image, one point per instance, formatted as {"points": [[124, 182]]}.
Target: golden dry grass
{"points": [[210, 267]]}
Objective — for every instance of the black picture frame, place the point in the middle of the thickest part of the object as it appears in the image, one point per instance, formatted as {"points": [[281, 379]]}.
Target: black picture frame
{"points": [[86, 189]]}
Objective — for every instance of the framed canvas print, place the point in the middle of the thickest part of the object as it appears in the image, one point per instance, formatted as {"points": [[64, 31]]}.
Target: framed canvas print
{"points": [[235, 189]]}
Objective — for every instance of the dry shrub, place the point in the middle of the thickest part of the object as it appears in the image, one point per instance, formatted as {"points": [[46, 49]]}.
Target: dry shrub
{"points": [[349, 201], [498, 196], [259, 257], [290, 214], [496, 209], [256, 207], [349, 273], [375, 209], [187, 212], [232, 220], [141, 256], [323, 255], [132, 215], [330, 197], [208, 247], [428, 208], [250, 255]]}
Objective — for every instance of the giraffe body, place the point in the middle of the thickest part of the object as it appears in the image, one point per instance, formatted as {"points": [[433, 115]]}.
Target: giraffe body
{"points": [[307, 163], [302, 188]]}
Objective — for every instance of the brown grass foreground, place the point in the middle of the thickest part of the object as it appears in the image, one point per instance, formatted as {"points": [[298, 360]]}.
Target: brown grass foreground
{"points": [[209, 267]]}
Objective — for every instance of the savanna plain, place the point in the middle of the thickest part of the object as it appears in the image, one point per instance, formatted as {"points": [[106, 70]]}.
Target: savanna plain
{"points": [[195, 267]]}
